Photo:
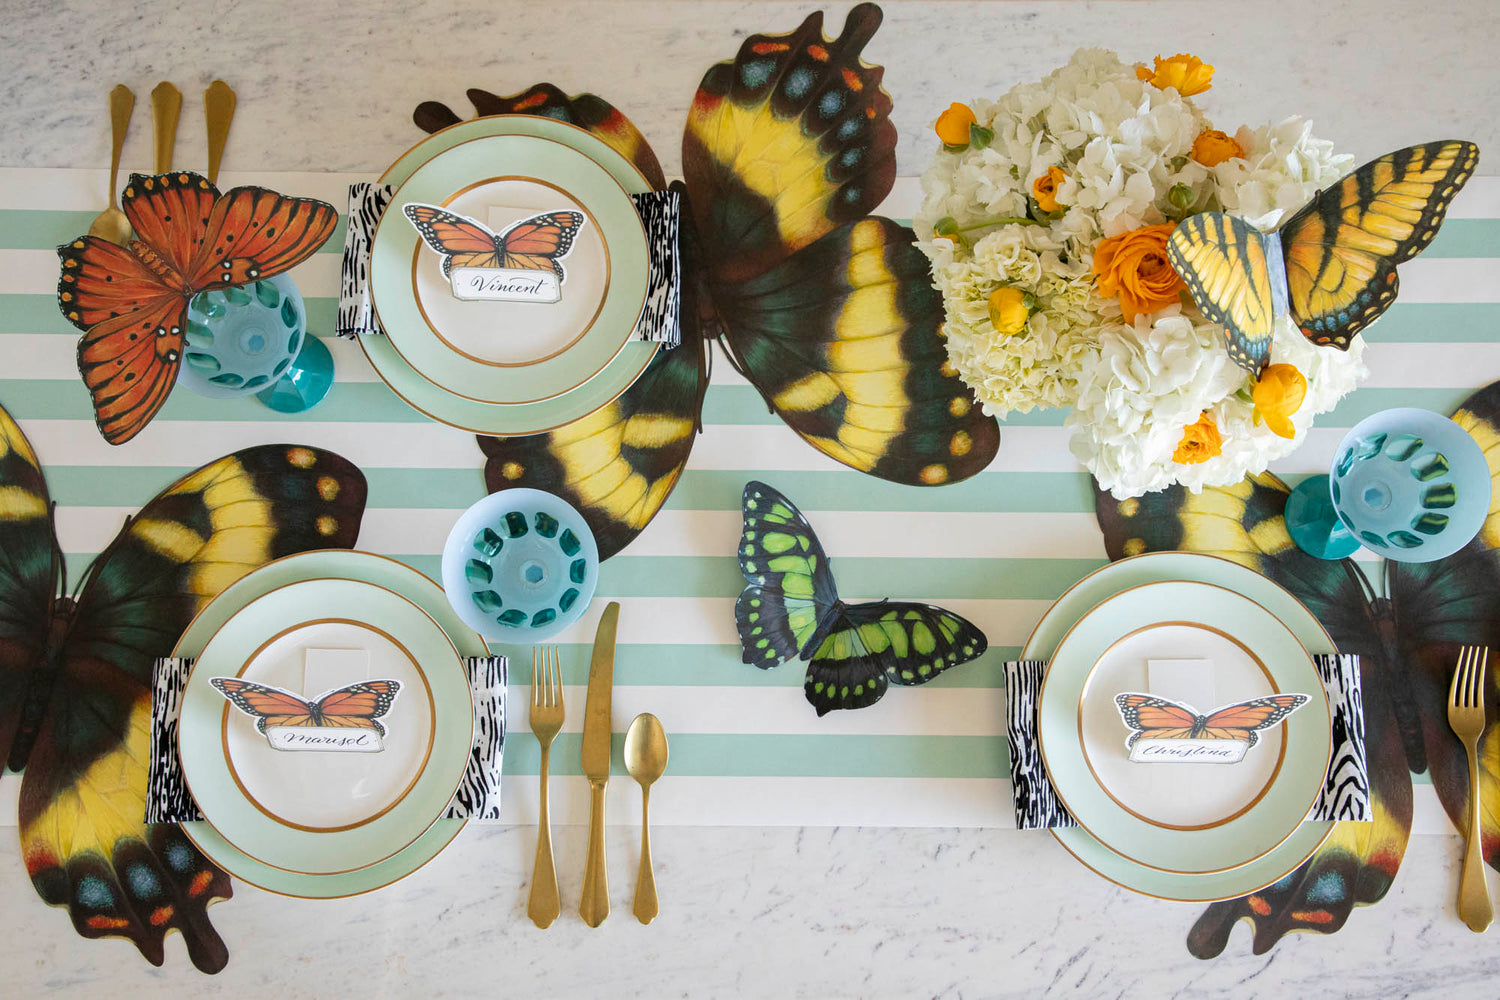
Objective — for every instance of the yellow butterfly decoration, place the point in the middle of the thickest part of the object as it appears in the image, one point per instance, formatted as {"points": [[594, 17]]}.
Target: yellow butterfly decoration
{"points": [[1333, 265]]}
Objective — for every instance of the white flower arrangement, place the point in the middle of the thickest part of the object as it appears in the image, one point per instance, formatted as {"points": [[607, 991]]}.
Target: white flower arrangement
{"points": [[1121, 148]]}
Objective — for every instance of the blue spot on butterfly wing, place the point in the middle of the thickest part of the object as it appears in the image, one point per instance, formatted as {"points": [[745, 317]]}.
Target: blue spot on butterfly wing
{"points": [[144, 883], [755, 73], [94, 892], [798, 82], [831, 103], [1327, 889], [849, 129], [179, 857]]}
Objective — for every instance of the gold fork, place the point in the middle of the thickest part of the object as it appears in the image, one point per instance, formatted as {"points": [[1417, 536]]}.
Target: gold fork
{"points": [[1466, 717], [546, 719]]}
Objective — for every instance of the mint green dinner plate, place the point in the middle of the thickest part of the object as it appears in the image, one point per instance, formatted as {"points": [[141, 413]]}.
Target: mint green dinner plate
{"points": [[419, 779], [1301, 751], [597, 336], [511, 418], [1152, 568], [382, 572]]}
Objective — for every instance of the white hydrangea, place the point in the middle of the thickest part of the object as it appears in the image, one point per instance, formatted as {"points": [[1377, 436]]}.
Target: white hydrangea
{"points": [[1125, 148]]}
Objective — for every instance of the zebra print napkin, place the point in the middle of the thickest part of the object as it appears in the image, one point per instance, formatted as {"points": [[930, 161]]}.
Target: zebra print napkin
{"points": [[478, 795], [1346, 789], [660, 212]]}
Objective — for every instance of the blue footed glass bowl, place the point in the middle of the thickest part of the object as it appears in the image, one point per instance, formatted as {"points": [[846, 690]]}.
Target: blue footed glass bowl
{"points": [[520, 566]]}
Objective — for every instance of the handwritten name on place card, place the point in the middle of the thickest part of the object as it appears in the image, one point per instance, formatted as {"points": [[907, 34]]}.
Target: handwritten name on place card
{"points": [[1150, 751], [322, 738], [501, 284]]}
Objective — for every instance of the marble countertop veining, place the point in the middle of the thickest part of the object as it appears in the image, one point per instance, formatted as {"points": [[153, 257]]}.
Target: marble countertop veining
{"points": [[746, 912]]}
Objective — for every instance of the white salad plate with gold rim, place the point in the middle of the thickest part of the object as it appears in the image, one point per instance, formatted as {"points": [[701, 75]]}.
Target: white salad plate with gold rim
{"points": [[1305, 838], [1256, 772], [317, 741]]}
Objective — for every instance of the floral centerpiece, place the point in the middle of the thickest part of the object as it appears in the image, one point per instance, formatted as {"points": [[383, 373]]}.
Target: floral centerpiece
{"points": [[1046, 216]]}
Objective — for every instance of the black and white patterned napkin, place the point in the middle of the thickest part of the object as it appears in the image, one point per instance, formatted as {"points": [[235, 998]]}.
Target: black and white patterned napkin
{"points": [[1346, 789], [660, 212], [478, 795]]}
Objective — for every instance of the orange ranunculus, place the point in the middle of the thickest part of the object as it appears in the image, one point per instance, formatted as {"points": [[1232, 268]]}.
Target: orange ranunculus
{"points": [[953, 125], [1200, 441], [1044, 189], [1189, 74], [1133, 267], [1009, 310], [1213, 147], [1279, 393]]}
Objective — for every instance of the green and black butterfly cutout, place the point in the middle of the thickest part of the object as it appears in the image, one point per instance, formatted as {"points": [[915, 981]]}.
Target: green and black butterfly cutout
{"points": [[791, 609]]}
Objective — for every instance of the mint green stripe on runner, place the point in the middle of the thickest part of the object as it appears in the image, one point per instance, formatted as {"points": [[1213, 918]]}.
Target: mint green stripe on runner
{"points": [[34, 229], [39, 314], [790, 756], [708, 490], [862, 578], [373, 402]]}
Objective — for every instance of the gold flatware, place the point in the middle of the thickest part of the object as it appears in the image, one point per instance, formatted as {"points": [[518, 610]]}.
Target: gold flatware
{"points": [[166, 106], [546, 720], [646, 760], [111, 223], [218, 110], [593, 905], [1466, 717]]}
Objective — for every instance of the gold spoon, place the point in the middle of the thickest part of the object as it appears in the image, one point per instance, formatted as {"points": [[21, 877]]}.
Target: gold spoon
{"points": [[646, 760], [111, 223], [218, 109], [166, 105]]}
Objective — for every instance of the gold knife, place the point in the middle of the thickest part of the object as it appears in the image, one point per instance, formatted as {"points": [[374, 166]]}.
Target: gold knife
{"points": [[593, 905]]}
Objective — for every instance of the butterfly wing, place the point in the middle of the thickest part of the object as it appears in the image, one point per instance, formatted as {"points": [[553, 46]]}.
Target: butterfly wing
{"points": [[1223, 262], [586, 111], [618, 464], [791, 588], [83, 792], [1246, 524], [268, 706], [253, 233], [1155, 718], [540, 242], [357, 706], [460, 241], [30, 577], [1342, 248], [830, 312], [1240, 721]]}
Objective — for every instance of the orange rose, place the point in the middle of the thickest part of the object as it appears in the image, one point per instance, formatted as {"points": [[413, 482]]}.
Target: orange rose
{"points": [[1044, 189], [953, 125], [1278, 394], [1200, 441], [1213, 147], [1133, 268], [1189, 74]]}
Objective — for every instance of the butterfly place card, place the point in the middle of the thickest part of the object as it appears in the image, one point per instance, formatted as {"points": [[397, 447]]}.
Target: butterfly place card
{"points": [[521, 263], [344, 719], [1163, 731]]}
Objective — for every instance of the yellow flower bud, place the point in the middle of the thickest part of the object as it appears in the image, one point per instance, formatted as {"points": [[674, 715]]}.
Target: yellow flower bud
{"points": [[1010, 308], [1044, 189], [1189, 74], [953, 125], [1213, 147], [1278, 394], [1200, 441]]}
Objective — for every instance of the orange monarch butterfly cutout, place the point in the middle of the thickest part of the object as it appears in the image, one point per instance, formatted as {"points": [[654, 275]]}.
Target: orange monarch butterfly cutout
{"points": [[1152, 718], [131, 301], [291, 722], [476, 259]]}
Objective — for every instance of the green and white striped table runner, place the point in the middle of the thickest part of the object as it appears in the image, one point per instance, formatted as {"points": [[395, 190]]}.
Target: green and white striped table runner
{"points": [[746, 748]]}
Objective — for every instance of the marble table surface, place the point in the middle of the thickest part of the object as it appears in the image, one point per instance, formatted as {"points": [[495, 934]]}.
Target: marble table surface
{"points": [[746, 912]]}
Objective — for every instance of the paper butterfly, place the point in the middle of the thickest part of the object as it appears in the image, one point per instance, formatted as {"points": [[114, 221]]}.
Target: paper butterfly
{"points": [[356, 706], [1406, 622], [131, 301], [76, 671], [1333, 265], [791, 608], [826, 309], [1156, 718], [534, 244]]}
